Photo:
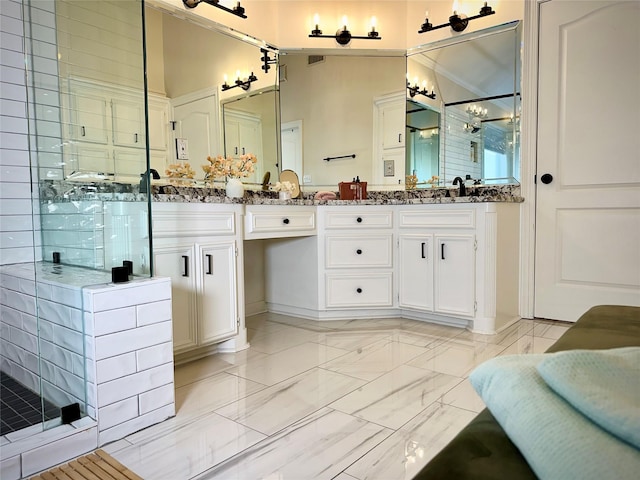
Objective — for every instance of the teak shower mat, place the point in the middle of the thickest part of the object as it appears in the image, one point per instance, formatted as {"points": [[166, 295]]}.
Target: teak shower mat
{"points": [[98, 465]]}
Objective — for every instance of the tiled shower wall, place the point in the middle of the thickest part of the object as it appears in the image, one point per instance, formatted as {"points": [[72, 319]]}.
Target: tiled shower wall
{"points": [[457, 148]]}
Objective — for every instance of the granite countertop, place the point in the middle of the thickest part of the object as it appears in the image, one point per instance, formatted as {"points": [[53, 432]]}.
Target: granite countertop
{"points": [[64, 191]]}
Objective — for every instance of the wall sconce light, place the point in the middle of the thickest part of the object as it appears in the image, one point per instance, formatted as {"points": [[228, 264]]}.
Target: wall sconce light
{"points": [[238, 10], [243, 84], [266, 61], [416, 90], [343, 36], [457, 22]]}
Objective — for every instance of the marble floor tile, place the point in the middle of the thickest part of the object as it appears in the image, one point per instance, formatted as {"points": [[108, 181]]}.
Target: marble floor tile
{"points": [[212, 365], [282, 339], [277, 367], [456, 357], [352, 340], [505, 337], [276, 407], [464, 396], [213, 393], [343, 400], [549, 330], [320, 446], [404, 453], [397, 396], [373, 360], [188, 450]]}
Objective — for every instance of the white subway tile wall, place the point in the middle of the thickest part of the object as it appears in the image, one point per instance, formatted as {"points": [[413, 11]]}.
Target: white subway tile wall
{"points": [[127, 356], [16, 222], [457, 145]]}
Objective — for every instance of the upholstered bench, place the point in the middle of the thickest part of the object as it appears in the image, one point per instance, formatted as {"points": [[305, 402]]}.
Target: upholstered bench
{"points": [[482, 450]]}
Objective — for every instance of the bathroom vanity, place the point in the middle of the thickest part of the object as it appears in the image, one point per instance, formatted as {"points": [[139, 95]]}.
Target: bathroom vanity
{"points": [[419, 255]]}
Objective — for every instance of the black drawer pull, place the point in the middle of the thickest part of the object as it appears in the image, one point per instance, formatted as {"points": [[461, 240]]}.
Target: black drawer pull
{"points": [[442, 251], [209, 265], [359, 252], [135, 138], [423, 243], [185, 265], [359, 290], [285, 221], [359, 219], [82, 131]]}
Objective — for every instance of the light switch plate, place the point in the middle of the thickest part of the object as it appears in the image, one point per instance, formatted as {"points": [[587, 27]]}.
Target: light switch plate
{"points": [[306, 179], [182, 149], [388, 168]]}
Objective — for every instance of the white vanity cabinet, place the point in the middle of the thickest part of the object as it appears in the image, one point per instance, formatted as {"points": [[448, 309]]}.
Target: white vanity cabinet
{"points": [[356, 258], [449, 268], [199, 246]]}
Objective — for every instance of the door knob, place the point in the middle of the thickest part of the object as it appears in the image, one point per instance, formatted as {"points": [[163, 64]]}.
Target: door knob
{"points": [[547, 178]]}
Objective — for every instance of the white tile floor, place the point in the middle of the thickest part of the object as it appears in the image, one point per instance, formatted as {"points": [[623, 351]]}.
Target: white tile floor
{"points": [[344, 400]]}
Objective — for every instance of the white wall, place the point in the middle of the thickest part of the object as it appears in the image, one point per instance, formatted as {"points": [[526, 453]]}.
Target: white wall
{"points": [[16, 223]]}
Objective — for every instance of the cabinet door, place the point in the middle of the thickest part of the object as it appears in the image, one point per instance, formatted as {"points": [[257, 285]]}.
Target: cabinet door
{"points": [[217, 298], [416, 272], [455, 274], [393, 125], [90, 117], [158, 120], [178, 262], [128, 123]]}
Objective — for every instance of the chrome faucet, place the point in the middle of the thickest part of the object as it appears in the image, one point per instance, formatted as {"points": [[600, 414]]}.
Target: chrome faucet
{"points": [[463, 189]]}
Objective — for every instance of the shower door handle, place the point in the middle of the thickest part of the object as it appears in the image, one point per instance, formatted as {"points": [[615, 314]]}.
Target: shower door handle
{"points": [[185, 265]]}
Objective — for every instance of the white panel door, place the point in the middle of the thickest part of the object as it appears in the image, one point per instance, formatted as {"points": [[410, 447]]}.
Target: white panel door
{"points": [[588, 165], [196, 120], [291, 139]]}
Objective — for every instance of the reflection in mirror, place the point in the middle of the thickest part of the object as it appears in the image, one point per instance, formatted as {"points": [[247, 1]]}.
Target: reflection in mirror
{"points": [[250, 126], [339, 106], [476, 78], [190, 77], [423, 143]]}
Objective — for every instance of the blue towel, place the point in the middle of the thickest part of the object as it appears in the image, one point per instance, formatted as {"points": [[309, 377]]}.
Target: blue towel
{"points": [[602, 384], [557, 441]]}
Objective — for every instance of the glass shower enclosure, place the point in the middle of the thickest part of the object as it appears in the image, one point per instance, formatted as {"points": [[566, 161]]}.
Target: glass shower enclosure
{"points": [[86, 111]]}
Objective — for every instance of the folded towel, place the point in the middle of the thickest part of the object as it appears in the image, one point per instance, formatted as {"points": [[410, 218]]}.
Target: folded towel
{"points": [[325, 196], [602, 384], [557, 441]]}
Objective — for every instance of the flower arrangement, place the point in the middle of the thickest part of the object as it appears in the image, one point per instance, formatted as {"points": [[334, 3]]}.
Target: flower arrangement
{"points": [[219, 166], [410, 182], [180, 172], [434, 181], [283, 187]]}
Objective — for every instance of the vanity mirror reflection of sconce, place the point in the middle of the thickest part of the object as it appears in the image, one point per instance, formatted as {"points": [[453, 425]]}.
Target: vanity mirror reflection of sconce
{"points": [[243, 84]]}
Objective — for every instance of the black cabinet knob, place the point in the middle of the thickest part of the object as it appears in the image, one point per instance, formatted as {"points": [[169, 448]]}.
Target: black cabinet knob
{"points": [[285, 221], [359, 290], [359, 252], [547, 178], [359, 219]]}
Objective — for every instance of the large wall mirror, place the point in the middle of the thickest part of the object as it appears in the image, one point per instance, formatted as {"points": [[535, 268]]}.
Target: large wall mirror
{"points": [[471, 128], [337, 112]]}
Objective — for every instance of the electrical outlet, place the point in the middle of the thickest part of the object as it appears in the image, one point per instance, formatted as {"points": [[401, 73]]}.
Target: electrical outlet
{"points": [[306, 179], [388, 168], [182, 149]]}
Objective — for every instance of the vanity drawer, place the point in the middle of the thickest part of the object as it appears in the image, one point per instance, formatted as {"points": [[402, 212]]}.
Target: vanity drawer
{"points": [[361, 218], [359, 251], [266, 221], [190, 219], [417, 218], [360, 290]]}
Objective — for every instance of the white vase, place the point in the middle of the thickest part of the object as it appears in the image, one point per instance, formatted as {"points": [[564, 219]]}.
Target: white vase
{"points": [[284, 195], [235, 188]]}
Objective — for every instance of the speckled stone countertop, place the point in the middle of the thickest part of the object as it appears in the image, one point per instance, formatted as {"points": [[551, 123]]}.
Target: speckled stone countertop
{"points": [[63, 191], [475, 194]]}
